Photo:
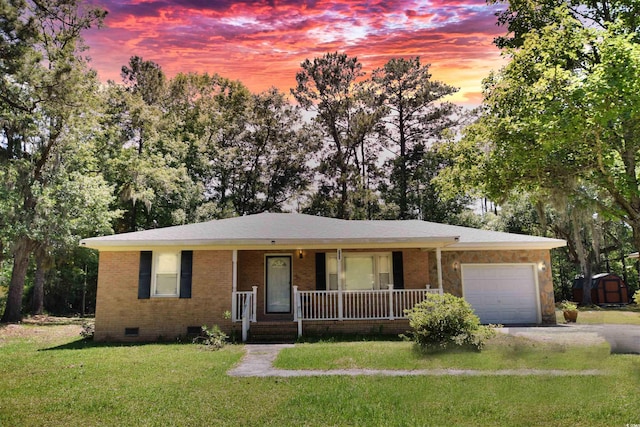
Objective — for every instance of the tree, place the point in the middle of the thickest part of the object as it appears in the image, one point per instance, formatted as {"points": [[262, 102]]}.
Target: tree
{"points": [[424, 198], [44, 86], [523, 16], [574, 123], [331, 87], [247, 152], [269, 162], [144, 78], [416, 118], [562, 119], [73, 206], [142, 151]]}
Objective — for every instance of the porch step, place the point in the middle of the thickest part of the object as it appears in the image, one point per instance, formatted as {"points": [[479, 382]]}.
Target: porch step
{"points": [[273, 332]]}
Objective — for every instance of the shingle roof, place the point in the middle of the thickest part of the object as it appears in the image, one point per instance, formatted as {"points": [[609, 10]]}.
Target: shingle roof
{"points": [[297, 230]]}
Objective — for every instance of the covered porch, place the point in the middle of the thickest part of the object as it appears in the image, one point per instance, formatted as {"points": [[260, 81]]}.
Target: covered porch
{"points": [[331, 286]]}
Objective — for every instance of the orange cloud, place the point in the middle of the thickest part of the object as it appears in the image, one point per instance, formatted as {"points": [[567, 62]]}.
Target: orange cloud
{"points": [[263, 42]]}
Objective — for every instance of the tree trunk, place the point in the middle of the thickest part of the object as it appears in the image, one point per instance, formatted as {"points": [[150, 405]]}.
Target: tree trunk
{"points": [[21, 253], [403, 166], [625, 277], [635, 227], [37, 303], [343, 211]]}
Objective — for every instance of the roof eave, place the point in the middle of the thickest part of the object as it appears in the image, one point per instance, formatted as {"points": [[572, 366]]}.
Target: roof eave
{"points": [[266, 244], [505, 246]]}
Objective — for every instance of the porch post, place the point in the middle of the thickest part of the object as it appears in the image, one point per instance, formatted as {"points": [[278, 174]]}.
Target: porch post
{"points": [[390, 302], [297, 317], [254, 301], [245, 328], [234, 285], [340, 302], [439, 266]]}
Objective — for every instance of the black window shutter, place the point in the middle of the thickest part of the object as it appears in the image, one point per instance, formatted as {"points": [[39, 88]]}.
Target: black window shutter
{"points": [[144, 277], [398, 271], [186, 263], [321, 271]]}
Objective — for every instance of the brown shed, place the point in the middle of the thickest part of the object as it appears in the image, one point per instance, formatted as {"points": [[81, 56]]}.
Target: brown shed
{"points": [[606, 288]]}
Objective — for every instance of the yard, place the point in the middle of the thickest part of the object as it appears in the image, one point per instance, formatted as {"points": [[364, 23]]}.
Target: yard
{"points": [[629, 315], [51, 377]]}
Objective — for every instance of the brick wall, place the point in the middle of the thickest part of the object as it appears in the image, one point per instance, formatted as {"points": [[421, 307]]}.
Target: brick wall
{"points": [[251, 268], [362, 327], [452, 279], [416, 269], [251, 272], [118, 306]]}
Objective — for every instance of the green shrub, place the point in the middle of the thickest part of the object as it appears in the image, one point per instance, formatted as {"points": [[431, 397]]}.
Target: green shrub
{"points": [[212, 339], [444, 321], [636, 297]]}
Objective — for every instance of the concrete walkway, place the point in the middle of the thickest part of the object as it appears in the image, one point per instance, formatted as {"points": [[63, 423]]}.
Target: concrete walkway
{"points": [[564, 334], [621, 338], [259, 358]]}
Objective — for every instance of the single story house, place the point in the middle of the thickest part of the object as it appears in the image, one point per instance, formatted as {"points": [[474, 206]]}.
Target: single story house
{"points": [[319, 274]]}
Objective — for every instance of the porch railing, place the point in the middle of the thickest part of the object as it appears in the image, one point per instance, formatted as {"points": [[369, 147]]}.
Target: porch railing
{"points": [[239, 299], [334, 305], [244, 309], [355, 305]]}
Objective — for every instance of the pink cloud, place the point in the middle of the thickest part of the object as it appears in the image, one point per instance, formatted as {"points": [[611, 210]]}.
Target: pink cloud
{"points": [[263, 42]]}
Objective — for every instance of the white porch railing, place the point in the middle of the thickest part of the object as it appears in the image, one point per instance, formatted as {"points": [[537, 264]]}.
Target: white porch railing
{"points": [[355, 305], [244, 309], [239, 300]]}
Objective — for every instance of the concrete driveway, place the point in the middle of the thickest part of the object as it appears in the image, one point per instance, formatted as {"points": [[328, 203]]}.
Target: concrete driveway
{"points": [[621, 338]]}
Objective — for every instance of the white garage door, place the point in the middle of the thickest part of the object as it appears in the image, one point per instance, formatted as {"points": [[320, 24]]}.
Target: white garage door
{"points": [[502, 293]]}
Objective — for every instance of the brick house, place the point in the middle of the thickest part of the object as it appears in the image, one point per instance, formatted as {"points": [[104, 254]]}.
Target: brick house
{"points": [[317, 274]]}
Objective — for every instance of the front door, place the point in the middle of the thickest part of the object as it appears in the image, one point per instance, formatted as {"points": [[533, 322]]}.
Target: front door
{"points": [[278, 284]]}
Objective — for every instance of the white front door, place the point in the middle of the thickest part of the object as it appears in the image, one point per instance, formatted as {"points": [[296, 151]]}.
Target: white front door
{"points": [[278, 281]]}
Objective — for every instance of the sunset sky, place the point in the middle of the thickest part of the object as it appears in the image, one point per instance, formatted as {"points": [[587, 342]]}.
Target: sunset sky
{"points": [[262, 42]]}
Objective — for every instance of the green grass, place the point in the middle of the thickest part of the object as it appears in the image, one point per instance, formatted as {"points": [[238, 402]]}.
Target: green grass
{"points": [[501, 352], [71, 382], [623, 316]]}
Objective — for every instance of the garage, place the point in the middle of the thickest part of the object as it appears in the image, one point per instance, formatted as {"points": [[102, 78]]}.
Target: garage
{"points": [[502, 293]]}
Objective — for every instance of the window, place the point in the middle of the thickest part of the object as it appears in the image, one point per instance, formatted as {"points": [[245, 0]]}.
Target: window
{"points": [[360, 271], [332, 273], [165, 274], [384, 271], [165, 277]]}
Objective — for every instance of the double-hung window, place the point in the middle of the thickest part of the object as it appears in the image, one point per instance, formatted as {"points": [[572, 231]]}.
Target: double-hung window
{"points": [[360, 271], [165, 274], [165, 282]]}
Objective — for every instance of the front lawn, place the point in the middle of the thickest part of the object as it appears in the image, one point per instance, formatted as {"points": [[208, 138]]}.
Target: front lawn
{"points": [[64, 381], [501, 352]]}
